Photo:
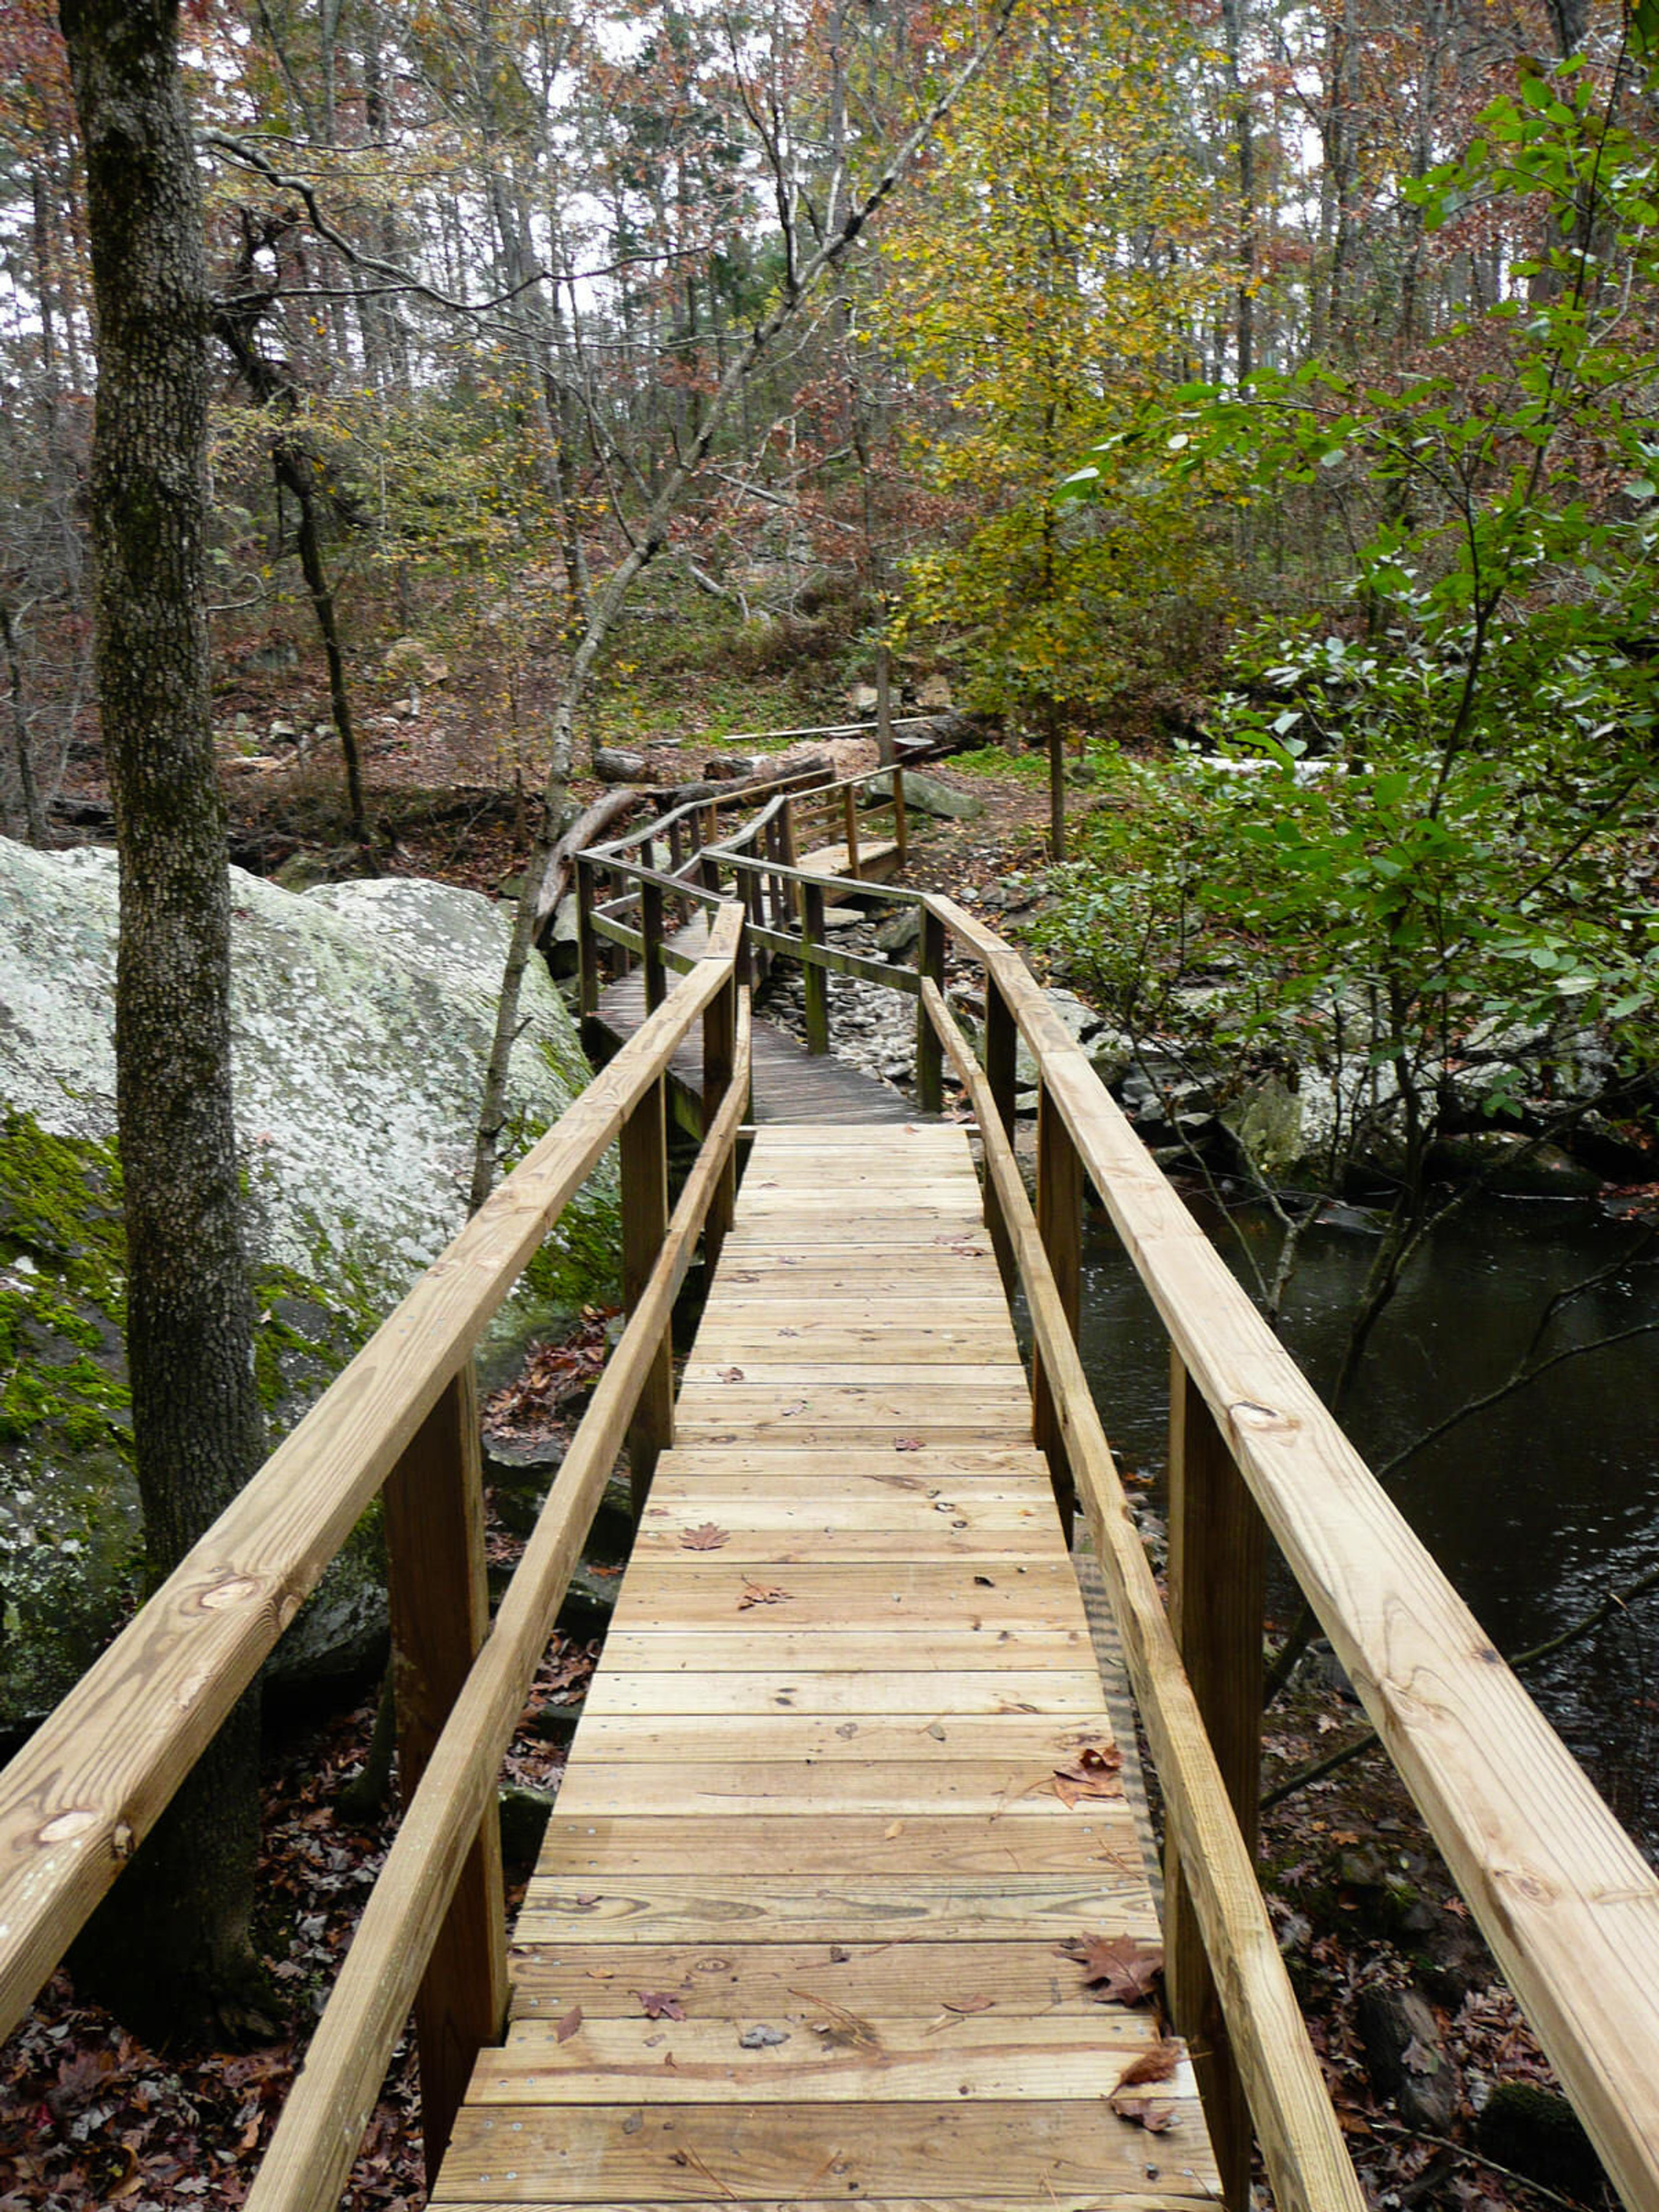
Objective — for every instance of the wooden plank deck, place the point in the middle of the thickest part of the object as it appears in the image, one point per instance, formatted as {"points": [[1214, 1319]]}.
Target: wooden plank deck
{"points": [[789, 1083], [793, 1939]]}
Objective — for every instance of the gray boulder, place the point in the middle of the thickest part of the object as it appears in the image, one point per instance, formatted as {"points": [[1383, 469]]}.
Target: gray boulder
{"points": [[361, 1016]]}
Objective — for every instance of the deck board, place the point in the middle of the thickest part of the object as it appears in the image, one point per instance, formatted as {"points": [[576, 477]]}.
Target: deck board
{"points": [[812, 1799]]}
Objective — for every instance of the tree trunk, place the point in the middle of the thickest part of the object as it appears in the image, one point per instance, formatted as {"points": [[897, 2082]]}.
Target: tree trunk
{"points": [[291, 467], [1056, 785], [34, 817], [172, 1946]]}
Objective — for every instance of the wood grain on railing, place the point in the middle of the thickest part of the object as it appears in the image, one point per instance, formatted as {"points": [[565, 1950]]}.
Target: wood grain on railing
{"points": [[1561, 1894], [1301, 2141], [91, 1782]]}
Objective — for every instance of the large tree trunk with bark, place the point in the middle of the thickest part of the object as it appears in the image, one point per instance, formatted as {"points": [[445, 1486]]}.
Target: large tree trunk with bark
{"points": [[172, 1948]]}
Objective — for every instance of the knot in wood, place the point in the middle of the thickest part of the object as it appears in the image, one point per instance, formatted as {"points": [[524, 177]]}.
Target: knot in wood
{"points": [[232, 1591], [66, 1826]]}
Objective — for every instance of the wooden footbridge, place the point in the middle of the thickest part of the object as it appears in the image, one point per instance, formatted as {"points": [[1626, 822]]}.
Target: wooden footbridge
{"points": [[841, 1899]]}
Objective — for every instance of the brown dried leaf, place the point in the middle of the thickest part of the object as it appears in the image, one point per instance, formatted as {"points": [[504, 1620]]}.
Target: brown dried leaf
{"points": [[1119, 1970], [731, 1375], [1157, 2062], [763, 1594], [707, 1538], [1093, 1773], [978, 2004], [796, 1406], [567, 2027], [907, 1444], [660, 2005], [1156, 2114]]}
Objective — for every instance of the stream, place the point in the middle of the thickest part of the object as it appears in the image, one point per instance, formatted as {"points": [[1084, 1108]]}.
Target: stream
{"points": [[1535, 1507]]}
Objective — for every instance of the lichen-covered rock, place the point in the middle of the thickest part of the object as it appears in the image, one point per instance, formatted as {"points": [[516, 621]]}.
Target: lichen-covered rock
{"points": [[362, 1015]]}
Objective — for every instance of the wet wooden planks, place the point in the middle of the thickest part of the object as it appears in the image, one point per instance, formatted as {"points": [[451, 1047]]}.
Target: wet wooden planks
{"points": [[811, 1806]]}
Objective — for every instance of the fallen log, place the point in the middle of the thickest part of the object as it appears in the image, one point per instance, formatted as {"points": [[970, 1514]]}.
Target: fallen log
{"points": [[587, 825]]}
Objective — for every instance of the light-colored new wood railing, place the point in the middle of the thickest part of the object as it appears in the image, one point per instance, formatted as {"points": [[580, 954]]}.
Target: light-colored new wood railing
{"points": [[85, 1790], [1566, 1901]]}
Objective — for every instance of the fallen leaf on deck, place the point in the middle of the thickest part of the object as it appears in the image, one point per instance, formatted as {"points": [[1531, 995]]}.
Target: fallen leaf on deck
{"points": [[567, 2027], [660, 2005], [763, 1594], [601, 1973], [1156, 2114], [795, 1406], [893, 1828], [1119, 1970], [1157, 2062], [585, 1899], [707, 1538], [731, 1375], [1092, 1773], [968, 2004], [761, 2037], [907, 1444]]}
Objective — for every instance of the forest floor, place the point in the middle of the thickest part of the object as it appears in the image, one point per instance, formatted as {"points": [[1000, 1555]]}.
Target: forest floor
{"points": [[91, 2117]]}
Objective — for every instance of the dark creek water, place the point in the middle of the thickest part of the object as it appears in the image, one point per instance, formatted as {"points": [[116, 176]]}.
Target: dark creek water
{"points": [[1535, 1508]]}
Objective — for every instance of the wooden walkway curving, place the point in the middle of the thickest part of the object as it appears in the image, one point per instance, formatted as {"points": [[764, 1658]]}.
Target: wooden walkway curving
{"points": [[790, 1084], [793, 1935]]}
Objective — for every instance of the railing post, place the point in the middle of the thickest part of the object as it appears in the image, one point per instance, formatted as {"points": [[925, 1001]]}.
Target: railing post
{"points": [[754, 907], [588, 942], [440, 1608], [1059, 1222], [1217, 1597], [787, 854], [720, 1052], [656, 979], [930, 1054], [901, 827], [815, 980], [676, 855], [849, 816], [644, 1225], [1001, 1056]]}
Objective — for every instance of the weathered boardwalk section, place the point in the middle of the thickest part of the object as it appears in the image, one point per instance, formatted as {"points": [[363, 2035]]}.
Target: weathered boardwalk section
{"points": [[793, 1935]]}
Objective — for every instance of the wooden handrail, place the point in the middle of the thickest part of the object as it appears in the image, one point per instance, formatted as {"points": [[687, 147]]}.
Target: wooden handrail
{"points": [[316, 2139], [1301, 2141], [1561, 1894], [87, 1787]]}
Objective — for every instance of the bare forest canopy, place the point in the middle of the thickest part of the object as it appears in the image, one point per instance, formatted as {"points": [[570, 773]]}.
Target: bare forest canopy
{"points": [[479, 270]]}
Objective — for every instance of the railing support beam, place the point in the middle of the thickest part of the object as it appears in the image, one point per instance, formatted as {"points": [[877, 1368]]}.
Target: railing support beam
{"points": [[1001, 1051], [644, 1151], [440, 1608], [720, 1038], [815, 980], [1060, 1224], [1217, 1594], [650, 929], [930, 1056]]}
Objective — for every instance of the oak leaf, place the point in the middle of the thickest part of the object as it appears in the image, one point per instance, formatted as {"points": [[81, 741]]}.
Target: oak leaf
{"points": [[707, 1538], [660, 2005], [1093, 1773], [763, 1594], [1119, 1970]]}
